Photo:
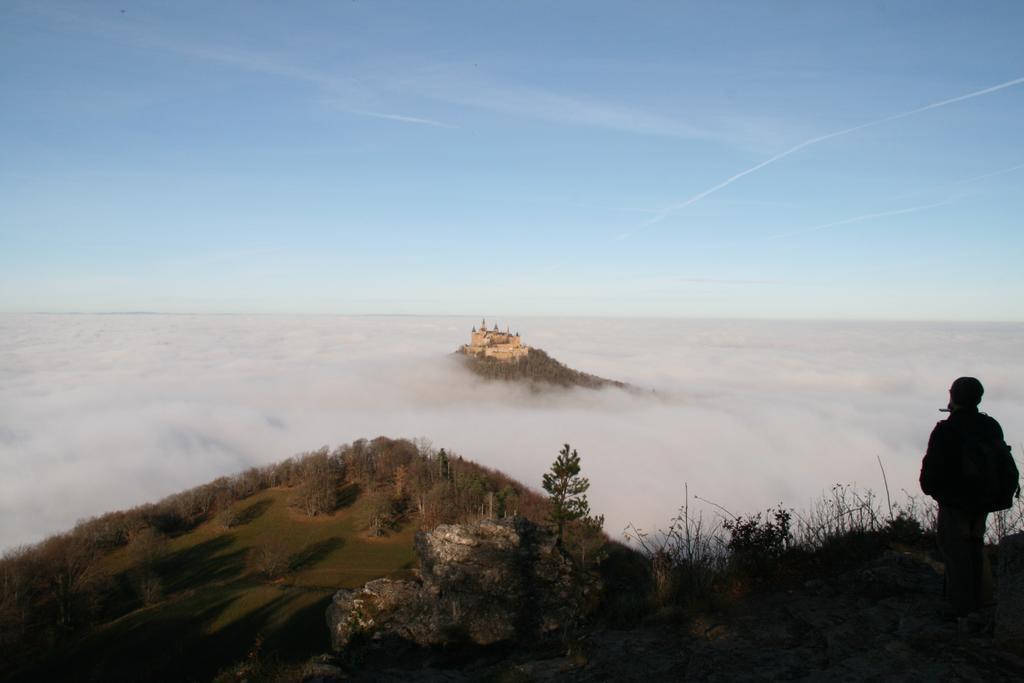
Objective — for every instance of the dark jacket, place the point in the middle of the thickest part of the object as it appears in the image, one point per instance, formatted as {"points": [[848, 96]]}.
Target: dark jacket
{"points": [[941, 468]]}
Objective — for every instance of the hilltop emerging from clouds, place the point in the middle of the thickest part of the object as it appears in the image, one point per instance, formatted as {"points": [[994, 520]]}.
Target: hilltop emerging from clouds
{"points": [[149, 405], [493, 354], [537, 369]]}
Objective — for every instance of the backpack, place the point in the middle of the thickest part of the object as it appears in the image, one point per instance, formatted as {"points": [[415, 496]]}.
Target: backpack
{"points": [[988, 474]]}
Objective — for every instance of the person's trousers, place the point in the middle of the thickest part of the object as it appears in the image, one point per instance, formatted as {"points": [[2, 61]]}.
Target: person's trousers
{"points": [[968, 573]]}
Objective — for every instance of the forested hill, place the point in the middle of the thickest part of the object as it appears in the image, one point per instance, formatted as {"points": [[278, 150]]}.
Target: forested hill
{"points": [[184, 588], [537, 369]]}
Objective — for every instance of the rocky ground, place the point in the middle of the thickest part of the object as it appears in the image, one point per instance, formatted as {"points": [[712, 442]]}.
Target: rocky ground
{"points": [[885, 620]]}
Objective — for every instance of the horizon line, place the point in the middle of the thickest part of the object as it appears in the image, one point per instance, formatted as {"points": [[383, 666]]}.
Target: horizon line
{"points": [[996, 321]]}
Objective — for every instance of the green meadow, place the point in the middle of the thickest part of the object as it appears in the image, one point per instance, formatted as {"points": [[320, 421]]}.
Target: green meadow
{"points": [[217, 603]]}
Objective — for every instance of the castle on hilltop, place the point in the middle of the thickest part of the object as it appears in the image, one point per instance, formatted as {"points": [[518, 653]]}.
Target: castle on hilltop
{"points": [[495, 344]]}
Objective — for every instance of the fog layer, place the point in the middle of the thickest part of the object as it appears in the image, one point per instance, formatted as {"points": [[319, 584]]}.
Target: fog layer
{"points": [[101, 412]]}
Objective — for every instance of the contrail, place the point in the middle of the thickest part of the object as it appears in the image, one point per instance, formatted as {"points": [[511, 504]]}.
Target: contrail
{"points": [[911, 209], [813, 141], [864, 217], [985, 176]]}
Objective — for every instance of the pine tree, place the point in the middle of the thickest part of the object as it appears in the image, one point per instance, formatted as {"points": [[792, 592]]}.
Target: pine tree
{"points": [[443, 465], [566, 490]]}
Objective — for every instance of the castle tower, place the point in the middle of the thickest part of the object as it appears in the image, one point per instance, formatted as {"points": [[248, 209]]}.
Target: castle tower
{"points": [[495, 344]]}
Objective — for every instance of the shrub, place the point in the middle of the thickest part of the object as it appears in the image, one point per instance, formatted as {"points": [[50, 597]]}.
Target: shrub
{"points": [[755, 544], [147, 586], [684, 560], [270, 558], [226, 518], [379, 514], [904, 528]]}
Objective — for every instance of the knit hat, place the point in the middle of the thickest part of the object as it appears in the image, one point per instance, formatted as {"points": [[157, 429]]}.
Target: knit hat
{"points": [[966, 392]]}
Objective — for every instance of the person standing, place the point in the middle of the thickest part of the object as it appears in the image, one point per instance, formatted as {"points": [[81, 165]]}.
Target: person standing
{"points": [[969, 471]]}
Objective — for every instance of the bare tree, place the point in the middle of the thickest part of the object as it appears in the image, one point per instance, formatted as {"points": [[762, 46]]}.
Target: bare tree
{"points": [[146, 550], [68, 561], [378, 515], [270, 557], [318, 491], [17, 571]]}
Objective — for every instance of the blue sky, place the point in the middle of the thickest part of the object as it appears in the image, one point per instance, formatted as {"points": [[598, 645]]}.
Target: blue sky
{"points": [[527, 158]]}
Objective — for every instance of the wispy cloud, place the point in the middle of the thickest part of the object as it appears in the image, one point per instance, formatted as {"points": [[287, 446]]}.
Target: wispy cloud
{"points": [[401, 118], [607, 207], [861, 218], [547, 105], [341, 87], [813, 141], [127, 31], [346, 88], [436, 83]]}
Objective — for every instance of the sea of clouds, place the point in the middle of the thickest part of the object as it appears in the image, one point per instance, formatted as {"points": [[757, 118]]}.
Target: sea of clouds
{"points": [[102, 412]]}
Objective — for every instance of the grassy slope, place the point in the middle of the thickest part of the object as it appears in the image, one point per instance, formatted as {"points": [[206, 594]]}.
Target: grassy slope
{"points": [[216, 605]]}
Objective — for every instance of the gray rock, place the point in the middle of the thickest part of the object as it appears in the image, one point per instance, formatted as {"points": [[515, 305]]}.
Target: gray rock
{"points": [[322, 669], [1009, 627], [895, 573], [481, 583]]}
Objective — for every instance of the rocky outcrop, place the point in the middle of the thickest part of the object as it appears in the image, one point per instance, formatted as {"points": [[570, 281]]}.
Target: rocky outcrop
{"points": [[885, 619], [1009, 627], [481, 583]]}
